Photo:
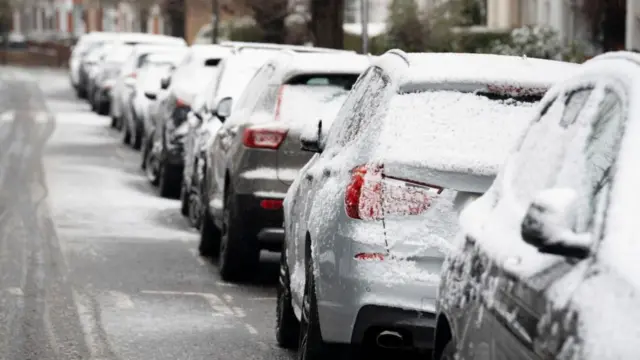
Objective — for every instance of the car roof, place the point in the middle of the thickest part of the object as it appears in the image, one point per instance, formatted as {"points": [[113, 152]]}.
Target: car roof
{"points": [[148, 38], [415, 71], [323, 63], [210, 50], [145, 48], [296, 48]]}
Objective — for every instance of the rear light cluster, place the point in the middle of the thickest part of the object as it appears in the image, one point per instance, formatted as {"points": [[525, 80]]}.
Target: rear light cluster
{"points": [[371, 194], [263, 138]]}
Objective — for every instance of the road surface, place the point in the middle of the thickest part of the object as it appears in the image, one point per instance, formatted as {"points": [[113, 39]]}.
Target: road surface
{"points": [[94, 265]]}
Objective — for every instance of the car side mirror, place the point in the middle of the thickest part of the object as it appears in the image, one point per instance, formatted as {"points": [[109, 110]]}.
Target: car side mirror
{"points": [[550, 223], [150, 95], [311, 140], [223, 109], [165, 82]]}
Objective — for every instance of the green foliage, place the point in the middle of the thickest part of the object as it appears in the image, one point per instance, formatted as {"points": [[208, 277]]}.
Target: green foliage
{"points": [[532, 41], [478, 42], [243, 33], [377, 45], [405, 30]]}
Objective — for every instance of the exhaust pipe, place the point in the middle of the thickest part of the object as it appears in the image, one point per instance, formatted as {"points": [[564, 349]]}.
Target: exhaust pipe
{"points": [[390, 340]]}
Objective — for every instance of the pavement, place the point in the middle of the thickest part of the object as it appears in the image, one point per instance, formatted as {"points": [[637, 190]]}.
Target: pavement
{"points": [[93, 263]]}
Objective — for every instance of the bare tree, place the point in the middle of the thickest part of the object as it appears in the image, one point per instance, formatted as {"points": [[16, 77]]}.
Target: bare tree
{"points": [[607, 19], [327, 17], [270, 16]]}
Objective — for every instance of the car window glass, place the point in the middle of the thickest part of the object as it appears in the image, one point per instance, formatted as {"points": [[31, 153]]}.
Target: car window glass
{"points": [[255, 87], [268, 99], [365, 99], [582, 156]]}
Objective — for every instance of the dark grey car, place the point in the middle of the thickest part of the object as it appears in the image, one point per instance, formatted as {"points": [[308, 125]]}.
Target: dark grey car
{"points": [[255, 156]]}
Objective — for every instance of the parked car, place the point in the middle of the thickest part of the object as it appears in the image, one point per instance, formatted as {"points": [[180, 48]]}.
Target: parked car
{"points": [[368, 217], [235, 73], [125, 91], [148, 85], [100, 39], [545, 262], [85, 43], [255, 156], [165, 152], [125, 82], [295, 48], [96, 58], [100, 93]]}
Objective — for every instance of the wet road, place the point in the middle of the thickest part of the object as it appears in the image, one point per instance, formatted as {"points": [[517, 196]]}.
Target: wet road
{"points": [[93, 264]]}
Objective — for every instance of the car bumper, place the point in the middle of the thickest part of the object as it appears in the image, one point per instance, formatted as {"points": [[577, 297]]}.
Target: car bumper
{"points": [[266, 224]]}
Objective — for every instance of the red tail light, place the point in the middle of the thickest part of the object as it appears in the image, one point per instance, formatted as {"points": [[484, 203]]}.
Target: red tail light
{"points": [[371, 194], [271, 204], [132, 75], [181, 103], [369, 256], [263, 138]]}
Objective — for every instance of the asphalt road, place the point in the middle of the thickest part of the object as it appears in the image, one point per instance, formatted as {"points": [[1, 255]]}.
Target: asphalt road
{"points": [[93, 263]]}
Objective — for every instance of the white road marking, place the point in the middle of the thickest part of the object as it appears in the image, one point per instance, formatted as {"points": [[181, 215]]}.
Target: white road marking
{"points": [[227, 297], [252, 330], [7, 116], [239, 312], [221, 283], [15, 291], [199, 259], [89, 326], [214, 301], [122, 300]]}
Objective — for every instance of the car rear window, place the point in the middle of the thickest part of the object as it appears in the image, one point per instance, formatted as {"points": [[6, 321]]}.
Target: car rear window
{"points": [[304, 103], [344, 81], [451, 130]]}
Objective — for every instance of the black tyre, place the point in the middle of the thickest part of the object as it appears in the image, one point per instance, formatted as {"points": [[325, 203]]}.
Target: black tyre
{"points": [[137, 140], [239, 251], [126, 135], [185, 198], [151, 168], [310, 344], [209, 236], [169, 181], [287, 325], [143, 154], [195, 210], [114, 122]]}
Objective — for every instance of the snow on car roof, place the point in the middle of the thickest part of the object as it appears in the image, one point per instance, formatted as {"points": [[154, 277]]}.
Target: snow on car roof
{"points": [[173, 56], [483, 69], [202, 51], [322, 63], [297, 48], [237, 70], [148, 39]]}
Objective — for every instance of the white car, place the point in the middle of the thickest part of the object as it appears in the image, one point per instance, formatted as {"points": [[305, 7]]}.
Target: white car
{"points": [[368, 219]]}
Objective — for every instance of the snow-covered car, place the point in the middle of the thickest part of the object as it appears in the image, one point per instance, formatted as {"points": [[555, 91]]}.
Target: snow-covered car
{"points": [[165, 154], [545, 264], [110, 66], [125, 90], [93, 64], [235, 73], [369, 216], [80, 50], [256, 155], [148, 85]]}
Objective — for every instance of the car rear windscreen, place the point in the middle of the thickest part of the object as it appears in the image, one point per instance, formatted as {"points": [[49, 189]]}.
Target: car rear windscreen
{"points": [[344, 81]]}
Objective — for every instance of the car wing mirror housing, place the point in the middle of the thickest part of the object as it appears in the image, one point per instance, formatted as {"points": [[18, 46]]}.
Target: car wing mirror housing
{"points": [[550, 222], [223, 109], [311, 138]]}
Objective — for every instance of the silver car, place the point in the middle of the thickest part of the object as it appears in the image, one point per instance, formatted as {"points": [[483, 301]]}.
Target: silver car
{"points": [[256, 155], [369, 217]]}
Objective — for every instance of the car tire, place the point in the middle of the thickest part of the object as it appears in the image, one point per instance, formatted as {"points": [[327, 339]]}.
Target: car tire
{"points": [[287, 324], [150, 171], [449, 351], [168, 182], [126, 135], [185, 198], [103, 109], [239, 253], [209, 236], [310, 344], [137, 139], [114, 122]]}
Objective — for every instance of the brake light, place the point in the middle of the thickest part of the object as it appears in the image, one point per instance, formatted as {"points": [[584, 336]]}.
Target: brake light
{"points": [[371, 194], [181, 103], [132, 75], [271, 204], [369, 256], [263, 138]]}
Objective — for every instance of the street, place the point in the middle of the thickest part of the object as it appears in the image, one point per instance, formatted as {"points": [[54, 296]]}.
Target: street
{"points": [[93, 263]]}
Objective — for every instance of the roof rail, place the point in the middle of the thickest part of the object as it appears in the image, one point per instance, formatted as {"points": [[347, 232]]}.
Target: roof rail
{"points": [[400, 53], [295, 48]]}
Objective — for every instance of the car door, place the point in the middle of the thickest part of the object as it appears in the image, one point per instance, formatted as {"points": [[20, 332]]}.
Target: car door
{"points": [[219, 151], [315, 175], [521, 307]]}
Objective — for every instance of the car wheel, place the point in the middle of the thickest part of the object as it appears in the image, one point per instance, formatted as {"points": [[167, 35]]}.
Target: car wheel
{"points": [[169, 182], [209, 236], [126, 135], [287, 325], [137, 140], [449, 351], [194, 211], [146, 144], [151, 168], [310, 344], [185, 198], [239, 253], [114, 122]]}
